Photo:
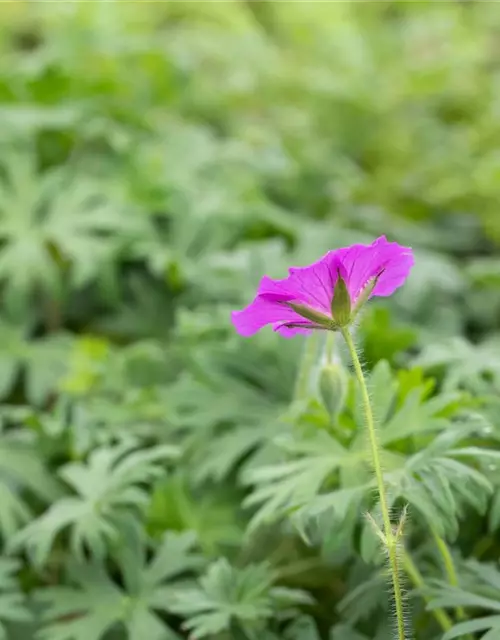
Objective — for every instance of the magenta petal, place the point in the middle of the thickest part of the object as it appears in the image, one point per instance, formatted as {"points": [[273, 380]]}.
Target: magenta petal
{"points": [[289, 332], [261, 312], [394, 276], [314, 287], [311, 286], [388, 261]]}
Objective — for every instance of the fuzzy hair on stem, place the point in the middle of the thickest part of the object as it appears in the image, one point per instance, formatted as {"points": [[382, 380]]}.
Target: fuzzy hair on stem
{"points": [[390, 539]]}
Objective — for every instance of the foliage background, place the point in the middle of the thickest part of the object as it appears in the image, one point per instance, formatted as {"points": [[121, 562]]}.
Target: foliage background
{"points": [[161, 477]]}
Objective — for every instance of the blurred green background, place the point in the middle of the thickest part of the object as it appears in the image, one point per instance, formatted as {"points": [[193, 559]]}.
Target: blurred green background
{"points": [[161, 477]]}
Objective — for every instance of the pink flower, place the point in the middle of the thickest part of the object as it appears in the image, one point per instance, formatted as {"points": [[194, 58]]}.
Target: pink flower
{"points": [[327, 294]]}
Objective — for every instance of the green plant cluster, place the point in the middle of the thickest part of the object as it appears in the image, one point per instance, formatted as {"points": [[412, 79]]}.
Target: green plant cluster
{"points": [[162, 478]]}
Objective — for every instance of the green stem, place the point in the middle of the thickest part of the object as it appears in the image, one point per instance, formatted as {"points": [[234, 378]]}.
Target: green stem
{"points": [[418, 581], [449, 567], [389, 538], [309, 361], [330, 347]]}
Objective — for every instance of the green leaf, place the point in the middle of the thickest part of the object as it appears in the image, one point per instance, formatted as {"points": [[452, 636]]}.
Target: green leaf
{"points": [[13, 605], [22, 474], [226, 593], [51, 222], [419, 455], [302, 628], [42, 361], [208, 512], [328, 508], [494, 513], [479, 624], [464, 364], [346, 632], [110, 493], [289, 485], [96, 604]]}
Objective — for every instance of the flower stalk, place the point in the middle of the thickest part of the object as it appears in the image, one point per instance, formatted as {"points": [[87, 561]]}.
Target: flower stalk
{"points": [[417, 579], [388, 536], [306, 368], [449, 568]]}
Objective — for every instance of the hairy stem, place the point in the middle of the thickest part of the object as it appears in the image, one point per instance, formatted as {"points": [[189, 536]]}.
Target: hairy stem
{"points": [[417, 579], [390, 540]]}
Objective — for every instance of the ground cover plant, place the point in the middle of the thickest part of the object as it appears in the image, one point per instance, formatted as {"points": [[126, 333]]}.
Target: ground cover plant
{"points": [[162, 476]]}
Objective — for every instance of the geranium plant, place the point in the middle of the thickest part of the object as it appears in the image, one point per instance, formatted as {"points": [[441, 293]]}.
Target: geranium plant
{"points": [[328, 296]]}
